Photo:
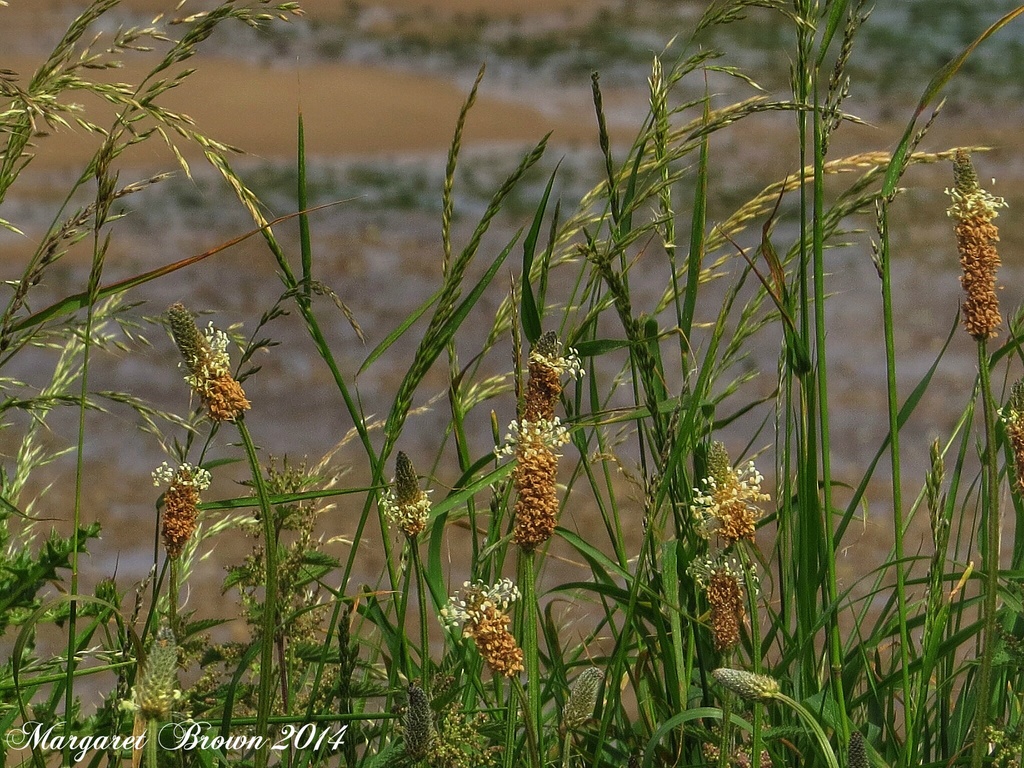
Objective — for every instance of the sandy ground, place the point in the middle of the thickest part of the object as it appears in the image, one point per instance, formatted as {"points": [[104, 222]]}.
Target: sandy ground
{"points": [[348, 110]]}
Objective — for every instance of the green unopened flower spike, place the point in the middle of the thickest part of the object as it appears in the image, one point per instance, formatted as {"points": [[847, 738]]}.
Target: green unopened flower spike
{"points": [[856, 753], [762, 689], [582, 698], [417, 723], [747, 685], [155, 692]]}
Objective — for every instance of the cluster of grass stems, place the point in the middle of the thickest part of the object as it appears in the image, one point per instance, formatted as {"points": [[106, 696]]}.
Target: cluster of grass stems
{"points": [[920, 662]]}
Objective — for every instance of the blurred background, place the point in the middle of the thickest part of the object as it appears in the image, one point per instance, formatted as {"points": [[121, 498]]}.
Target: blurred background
{"points": [[380, 85]]}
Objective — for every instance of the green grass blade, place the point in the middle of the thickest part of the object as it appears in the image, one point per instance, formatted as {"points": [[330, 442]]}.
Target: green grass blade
{"points": [[529, 311]]}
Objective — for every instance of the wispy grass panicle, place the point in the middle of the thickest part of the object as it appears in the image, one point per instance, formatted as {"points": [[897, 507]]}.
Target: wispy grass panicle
{"points": [[974, 209], [206, 357]]}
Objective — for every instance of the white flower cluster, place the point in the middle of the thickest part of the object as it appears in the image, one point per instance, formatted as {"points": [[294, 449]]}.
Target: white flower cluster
{"points": [[712, 504], [217, 341], [413, 515], [561, 364], [549, 434], [703, 569], [186, 475], [978, 203], [470, 606], [215, 364]]}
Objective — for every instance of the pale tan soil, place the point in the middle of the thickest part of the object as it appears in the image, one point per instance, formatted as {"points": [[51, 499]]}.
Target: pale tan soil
{"points": [[347, 110]]}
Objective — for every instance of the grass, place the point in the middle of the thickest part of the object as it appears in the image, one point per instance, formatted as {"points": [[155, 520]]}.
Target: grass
{"points": [[704, 620]]}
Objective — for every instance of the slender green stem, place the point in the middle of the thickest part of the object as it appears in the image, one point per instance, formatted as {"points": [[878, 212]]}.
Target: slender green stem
{"points": [[269, 627], [172, 608], [990, 558], [910, 745], [152, 742], [566, 743], [530, 650], [405, 660], [531, 731], [831, 591], [423, 596]]}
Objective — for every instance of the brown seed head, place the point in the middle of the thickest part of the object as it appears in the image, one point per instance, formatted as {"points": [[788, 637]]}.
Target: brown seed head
{"points": [[495, 643], [725, 596], [180, 514], [224, 398], [1013, 419], [181, 501], [536, 507], [974, 209]]}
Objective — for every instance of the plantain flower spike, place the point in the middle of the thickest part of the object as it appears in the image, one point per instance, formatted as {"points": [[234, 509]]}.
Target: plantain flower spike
{"points": [[974, 209], [417, 725], [534, 438], [155, 692], [856, 752], [181, 503], [747, 685], [582, 699], [209, 375], [406, 505], [723, 582], [726, 505], [482, 613]]}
